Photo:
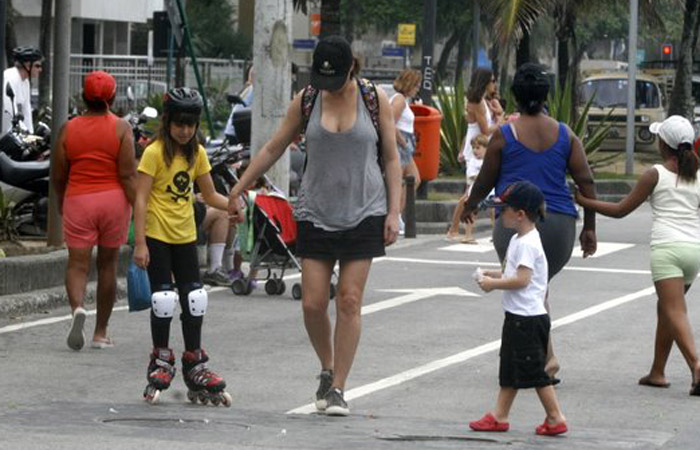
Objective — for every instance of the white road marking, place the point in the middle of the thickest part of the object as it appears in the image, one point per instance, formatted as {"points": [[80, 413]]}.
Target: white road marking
{"points": [[604, 248], [486, 245], [494, 264], [466, 355], [414, 295]]}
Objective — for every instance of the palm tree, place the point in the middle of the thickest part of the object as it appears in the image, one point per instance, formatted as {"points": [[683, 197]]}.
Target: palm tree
{"points": [[681, 96]]}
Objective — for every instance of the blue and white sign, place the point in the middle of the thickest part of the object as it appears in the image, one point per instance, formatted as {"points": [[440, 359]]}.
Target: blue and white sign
{"points": [[393, 52], [304, 44]]}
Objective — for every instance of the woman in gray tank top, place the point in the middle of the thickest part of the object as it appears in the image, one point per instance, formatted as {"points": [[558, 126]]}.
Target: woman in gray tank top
{"points": [[347, 211]]}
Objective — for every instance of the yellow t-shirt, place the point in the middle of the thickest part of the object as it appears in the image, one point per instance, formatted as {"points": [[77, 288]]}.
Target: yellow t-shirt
{"points": [[170, 214]]}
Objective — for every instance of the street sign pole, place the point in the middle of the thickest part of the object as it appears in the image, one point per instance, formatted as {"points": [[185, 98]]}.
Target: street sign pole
{"points": [[631, 87], [426, 86]]}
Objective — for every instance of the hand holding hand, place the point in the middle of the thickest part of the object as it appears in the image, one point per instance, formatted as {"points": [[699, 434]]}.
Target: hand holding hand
{"points": [[235, 209]]}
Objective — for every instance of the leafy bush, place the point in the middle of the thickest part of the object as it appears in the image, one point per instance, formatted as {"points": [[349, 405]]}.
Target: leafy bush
{"points": [[453, 127], [560, 104]]}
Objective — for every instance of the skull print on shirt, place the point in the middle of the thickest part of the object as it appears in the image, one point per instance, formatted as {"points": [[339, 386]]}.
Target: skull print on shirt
{"points": [[182, 190]]}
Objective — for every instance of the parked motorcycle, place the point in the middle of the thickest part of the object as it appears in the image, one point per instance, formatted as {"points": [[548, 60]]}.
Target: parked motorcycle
{"points": [[25, 185], [18, 144], [142, 137]]}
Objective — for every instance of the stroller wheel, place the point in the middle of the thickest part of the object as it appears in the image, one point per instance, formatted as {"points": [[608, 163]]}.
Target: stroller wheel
{"points": [[239, 286], [281, 287], [271, 286], [296, 291], [332, 290]]}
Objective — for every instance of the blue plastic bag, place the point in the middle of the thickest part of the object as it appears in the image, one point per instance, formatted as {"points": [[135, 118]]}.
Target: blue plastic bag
{"points": [[138, 288]]}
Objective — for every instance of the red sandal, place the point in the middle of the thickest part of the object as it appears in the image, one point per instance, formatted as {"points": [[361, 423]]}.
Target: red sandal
{"points": [[488, 423], [547, 429]]}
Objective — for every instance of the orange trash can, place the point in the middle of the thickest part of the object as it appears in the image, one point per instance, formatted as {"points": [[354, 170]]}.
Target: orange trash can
{"points": [[426, 128]]}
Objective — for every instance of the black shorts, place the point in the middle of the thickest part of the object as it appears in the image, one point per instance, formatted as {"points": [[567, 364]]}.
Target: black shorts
{"points": [[364, 241], [524, 351]]}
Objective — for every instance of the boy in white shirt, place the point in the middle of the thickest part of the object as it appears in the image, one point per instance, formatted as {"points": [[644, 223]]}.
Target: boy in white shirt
{"points": [[527, 324]]}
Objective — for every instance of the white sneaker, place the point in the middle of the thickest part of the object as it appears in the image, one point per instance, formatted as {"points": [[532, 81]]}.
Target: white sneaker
{"points": [[402, 226], [76, 335]]}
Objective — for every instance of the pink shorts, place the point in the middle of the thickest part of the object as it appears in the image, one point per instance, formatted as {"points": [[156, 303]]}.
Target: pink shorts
{"points": [[100, 218]]}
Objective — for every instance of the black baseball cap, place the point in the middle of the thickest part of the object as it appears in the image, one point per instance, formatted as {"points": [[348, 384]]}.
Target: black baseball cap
{"points": [[519, 195], [331, 63]]}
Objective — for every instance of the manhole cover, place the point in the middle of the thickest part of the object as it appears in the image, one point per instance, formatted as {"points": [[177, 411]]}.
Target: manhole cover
{"points": [[425, 438]]}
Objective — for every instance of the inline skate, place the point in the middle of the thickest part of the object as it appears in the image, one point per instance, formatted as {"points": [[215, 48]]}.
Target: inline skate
{"points": [[203, 385], [161, 371]]}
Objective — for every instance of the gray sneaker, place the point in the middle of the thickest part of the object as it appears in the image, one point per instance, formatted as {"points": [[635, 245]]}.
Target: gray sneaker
{"points": [[326, 380], [335, 403], [216, 278]]}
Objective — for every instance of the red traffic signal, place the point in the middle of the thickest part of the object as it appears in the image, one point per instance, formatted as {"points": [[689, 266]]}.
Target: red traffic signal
{"points": [[667, 50]]}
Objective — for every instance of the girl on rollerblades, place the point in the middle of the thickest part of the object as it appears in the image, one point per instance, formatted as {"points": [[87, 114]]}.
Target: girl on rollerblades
{"points": [[165, 245]]}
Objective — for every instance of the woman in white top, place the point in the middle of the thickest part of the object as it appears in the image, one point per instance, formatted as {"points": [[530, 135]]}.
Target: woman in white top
{"points": [[406, 86], [673, 189], [480, 120]]}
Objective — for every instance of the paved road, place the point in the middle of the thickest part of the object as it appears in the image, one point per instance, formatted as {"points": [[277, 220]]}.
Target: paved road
{"points": [[427, 364]]}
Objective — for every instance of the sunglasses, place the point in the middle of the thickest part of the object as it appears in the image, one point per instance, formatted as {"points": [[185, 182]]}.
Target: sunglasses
{"points": [[37, 65]]}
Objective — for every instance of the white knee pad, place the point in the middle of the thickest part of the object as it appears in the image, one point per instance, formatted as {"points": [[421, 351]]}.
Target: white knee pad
{"points": [[163, 303], [197, 301]]}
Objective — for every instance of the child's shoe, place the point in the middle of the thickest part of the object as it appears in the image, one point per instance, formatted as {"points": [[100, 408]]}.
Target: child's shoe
{"points": [[547, 429], [489, 423]]}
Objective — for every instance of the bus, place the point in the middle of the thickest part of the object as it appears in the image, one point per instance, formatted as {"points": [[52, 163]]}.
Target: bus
{"points": [[609, 93]]}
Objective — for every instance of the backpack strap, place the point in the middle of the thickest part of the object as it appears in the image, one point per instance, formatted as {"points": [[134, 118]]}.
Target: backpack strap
{"points": [[371, 101], [308, 98]]}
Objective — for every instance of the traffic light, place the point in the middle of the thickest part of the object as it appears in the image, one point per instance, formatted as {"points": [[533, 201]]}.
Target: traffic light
{"points": [[667, 51]]}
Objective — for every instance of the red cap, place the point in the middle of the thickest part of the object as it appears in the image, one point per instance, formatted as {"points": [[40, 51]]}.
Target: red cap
{"points": [[99, 86]]}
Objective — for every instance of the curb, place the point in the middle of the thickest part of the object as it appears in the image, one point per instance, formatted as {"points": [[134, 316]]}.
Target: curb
{"points": [[42, 300]]}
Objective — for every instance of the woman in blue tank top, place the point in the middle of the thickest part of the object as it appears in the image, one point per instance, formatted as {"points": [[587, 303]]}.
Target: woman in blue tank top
{"points": [[538, 149]]}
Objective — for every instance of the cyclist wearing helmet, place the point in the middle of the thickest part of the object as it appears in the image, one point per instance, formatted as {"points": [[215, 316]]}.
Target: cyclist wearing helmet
{"points": [[165, 244], [27, 65]]}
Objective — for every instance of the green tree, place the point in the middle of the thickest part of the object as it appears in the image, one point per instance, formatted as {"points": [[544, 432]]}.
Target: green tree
{"points": [[681, 97], [213, 32]]}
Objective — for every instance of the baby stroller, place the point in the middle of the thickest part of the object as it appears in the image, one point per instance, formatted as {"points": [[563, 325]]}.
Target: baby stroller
{"points": [[268, 236]]}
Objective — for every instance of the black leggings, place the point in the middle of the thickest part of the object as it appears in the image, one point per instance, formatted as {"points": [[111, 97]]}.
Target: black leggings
{"points": [[178, 261]]}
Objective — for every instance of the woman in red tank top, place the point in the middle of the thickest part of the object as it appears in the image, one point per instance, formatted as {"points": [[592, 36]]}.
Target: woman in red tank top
{"points": [[94, 177]]}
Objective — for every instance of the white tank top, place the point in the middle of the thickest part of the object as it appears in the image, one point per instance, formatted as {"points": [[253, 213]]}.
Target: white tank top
{"points": [[405, 122], [674, 206]]}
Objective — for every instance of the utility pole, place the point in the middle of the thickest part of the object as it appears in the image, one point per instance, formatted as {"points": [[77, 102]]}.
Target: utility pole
{"points": [[429, 15], [3, 19], [61, 69], [631, 87], [476, 29], [272, 86]]}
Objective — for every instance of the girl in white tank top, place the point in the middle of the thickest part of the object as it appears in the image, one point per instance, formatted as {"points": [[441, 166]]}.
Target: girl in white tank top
{"points": [[673, 189]]}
